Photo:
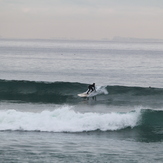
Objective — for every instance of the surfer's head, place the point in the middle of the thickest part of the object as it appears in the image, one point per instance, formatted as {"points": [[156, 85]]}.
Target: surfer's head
{"points": [[93, 83]]}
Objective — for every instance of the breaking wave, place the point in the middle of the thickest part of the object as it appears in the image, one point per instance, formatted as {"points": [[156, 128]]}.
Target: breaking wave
{"points": [[65, 119]]}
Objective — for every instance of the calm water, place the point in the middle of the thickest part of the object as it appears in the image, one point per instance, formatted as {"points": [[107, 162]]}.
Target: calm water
{"points": [[108, 63], [43, 120]]}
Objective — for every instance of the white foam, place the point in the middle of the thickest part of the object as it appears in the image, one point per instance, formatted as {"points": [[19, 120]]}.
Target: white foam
{"points": [[66, 120], [99, 90]]}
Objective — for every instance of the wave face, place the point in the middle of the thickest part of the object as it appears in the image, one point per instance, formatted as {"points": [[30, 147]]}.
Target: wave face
{"points": [[31, 91], [66, 92]]}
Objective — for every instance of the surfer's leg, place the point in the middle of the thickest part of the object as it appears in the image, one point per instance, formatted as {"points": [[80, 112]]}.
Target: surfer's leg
{"points": [[88, 91]]}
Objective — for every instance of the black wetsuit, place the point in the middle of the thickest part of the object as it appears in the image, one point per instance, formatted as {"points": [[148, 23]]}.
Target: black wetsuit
{"points": [[91, 88]]}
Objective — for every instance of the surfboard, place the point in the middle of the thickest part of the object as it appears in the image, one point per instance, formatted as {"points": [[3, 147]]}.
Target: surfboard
{"points": [[85, 94], [99, 90]]}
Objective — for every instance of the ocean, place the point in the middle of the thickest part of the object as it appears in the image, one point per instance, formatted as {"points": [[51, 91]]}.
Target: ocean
{"points": [[42, 118]]}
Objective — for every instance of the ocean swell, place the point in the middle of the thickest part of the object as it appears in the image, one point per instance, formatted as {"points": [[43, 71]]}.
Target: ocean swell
{"points": [[66, 93]]}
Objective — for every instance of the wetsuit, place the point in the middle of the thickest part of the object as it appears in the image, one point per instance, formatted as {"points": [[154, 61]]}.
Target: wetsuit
{"points": [[91, 88]]}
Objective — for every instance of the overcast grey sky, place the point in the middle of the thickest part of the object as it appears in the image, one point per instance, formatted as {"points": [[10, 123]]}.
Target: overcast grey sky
{"points": [[81, 19]]}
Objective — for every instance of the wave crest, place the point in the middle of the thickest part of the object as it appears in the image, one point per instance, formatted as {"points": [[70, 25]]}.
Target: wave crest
{"points": [[66, 120]]}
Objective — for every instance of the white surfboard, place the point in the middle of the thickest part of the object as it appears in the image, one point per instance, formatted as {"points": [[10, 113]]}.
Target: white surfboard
{"points": [[99, 90], [85, 94]]}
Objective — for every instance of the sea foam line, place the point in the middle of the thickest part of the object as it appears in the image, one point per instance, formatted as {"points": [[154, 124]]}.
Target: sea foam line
{"points": [[66, 120]]}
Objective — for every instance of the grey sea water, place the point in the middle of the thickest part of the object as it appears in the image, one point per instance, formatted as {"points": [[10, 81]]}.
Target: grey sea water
{"points": [[113, 63], [43, 120]]}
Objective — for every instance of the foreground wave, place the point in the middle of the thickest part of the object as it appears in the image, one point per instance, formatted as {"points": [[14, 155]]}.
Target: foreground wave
{"points": [[66, 92], [65, 119]]}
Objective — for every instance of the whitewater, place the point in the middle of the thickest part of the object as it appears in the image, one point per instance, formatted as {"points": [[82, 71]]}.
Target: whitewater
{"points": [[65, 120], [42, 119]]}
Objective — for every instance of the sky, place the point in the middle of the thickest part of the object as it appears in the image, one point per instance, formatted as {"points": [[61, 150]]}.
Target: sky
{"points": [[81, 19]]}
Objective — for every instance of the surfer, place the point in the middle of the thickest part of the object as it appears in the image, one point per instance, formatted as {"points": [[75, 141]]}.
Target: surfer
{"points": [[91, 88]]}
